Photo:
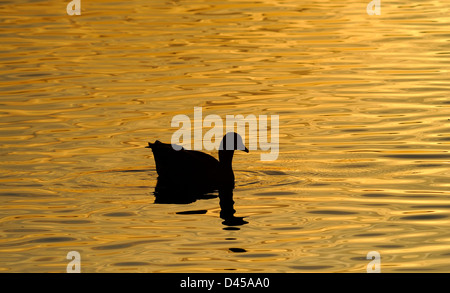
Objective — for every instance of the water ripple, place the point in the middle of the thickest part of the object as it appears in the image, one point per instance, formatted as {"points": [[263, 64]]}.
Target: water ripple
{"points": [[364, 134]]}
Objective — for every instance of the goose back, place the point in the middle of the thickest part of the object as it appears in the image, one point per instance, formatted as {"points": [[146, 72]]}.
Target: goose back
{"points": [[186, 167]]}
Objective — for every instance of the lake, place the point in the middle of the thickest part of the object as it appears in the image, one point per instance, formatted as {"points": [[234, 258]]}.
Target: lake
{"points": [[364, 134]]}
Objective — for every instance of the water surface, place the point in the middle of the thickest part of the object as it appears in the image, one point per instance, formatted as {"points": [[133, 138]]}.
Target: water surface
{"points": [[364, 134]]}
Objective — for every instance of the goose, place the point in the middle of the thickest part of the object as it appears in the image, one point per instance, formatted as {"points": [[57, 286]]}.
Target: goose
{"points": [[194, 172]]}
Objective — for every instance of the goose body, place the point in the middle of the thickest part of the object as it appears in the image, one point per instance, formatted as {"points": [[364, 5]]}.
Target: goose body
{"points": [[190, 171]]}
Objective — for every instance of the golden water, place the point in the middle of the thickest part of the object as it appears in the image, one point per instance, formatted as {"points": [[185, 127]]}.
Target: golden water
{"points": [[364, 115]]}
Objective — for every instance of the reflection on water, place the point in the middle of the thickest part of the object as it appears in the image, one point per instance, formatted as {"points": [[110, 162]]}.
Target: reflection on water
{"points": [[187, 194], [227, 210], [364, 135]]}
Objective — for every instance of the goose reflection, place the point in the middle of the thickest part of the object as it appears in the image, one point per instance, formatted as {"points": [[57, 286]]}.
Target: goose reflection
{"points": [[226, 202], [185, 176], [227, 210]]}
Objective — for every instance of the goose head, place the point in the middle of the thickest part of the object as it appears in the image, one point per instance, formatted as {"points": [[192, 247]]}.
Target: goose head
{"points": [[230, 142]]}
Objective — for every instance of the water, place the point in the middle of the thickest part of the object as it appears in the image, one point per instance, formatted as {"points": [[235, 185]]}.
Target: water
{"points": [[364, 134]]}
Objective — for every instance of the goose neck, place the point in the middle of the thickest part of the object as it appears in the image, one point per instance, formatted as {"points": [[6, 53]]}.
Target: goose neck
{"points": [[226, 158]]}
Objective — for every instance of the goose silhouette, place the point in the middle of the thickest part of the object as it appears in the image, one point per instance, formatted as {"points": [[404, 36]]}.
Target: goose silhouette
{"points": [[184, 175]]}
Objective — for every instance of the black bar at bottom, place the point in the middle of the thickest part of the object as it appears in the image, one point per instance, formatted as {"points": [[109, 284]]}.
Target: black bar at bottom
{"points": [[219, 281]]}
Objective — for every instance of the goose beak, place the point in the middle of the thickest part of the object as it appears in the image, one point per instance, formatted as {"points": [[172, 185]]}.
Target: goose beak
{"points": [[149, 146]]}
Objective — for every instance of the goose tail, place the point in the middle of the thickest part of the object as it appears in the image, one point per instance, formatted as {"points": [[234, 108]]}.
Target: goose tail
{"points": [[152, 145]]}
